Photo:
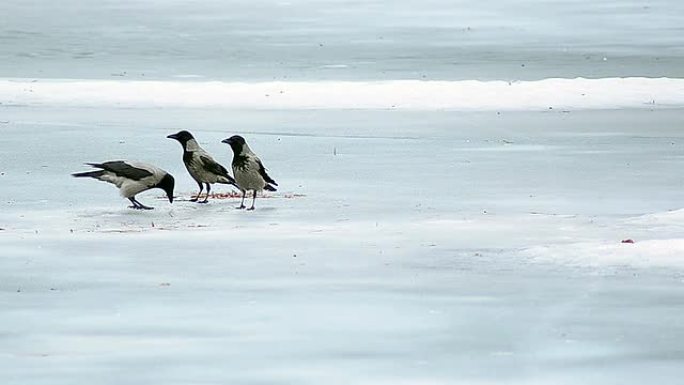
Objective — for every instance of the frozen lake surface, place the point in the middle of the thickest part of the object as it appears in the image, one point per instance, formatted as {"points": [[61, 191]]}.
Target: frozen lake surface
{"points": [[403, 247], [341, 39], [456, 177]]}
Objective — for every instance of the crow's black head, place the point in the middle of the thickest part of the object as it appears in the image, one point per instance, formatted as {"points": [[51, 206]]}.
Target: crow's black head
{"points": [[236, 142], [182, 136], [167, 183]]}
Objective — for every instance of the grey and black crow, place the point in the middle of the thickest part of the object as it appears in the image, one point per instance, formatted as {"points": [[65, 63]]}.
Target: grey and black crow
{"points": [[250, 173], [201, 166], [132, 178]]}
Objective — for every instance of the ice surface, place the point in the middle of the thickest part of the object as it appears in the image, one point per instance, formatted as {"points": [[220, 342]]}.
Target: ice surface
{"points": [[406, 247], [341, 39], [456, 177]]}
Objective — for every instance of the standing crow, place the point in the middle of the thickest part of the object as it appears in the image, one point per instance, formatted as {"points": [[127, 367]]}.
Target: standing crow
{"points": [[249, 172], [201, 166]]}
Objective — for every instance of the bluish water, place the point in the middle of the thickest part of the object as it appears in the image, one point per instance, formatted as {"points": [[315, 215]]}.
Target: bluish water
{"points": [[334, 39]]}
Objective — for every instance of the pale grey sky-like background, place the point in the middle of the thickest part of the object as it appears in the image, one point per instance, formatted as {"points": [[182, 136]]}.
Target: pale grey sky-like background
{"points": [[341, 40]]}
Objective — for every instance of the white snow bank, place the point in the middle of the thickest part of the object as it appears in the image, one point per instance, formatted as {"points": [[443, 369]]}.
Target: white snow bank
{"points": [[668, 218], [576, 93], [655, 237], [648, 253]]}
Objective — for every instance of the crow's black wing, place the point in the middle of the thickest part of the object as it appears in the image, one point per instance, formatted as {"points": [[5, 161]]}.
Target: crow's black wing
{"points": [[262, 172], [213, 167], [123, 169]]}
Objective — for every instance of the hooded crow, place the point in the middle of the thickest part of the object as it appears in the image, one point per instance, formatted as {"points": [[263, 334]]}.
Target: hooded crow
{"points": [[249, 172], [201, 166], [132, 178]]}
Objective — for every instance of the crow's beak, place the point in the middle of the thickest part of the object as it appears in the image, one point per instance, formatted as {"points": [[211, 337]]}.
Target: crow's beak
{"points": [[226, 141], [172, 136], [170, 198]]}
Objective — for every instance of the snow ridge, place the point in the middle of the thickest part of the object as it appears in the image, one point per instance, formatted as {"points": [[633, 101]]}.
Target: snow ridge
{"points": [[466, 95]]}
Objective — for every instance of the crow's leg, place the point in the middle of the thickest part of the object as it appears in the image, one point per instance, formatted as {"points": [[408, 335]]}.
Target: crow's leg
{"points": [[206, 199], [242, 203], [135, 204], [142, 206], [198, 194], [253, 200]]}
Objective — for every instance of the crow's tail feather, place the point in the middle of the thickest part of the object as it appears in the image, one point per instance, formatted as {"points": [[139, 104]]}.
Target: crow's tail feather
{"points": [[268, 187], [88, 174]]}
